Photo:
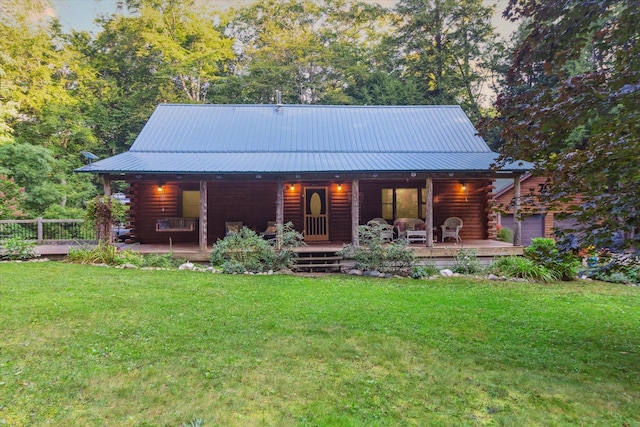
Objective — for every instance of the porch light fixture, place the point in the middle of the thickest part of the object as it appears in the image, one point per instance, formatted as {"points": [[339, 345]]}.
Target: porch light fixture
{"points": [[160, 189], [464, 189], [413, 174], [258, 176], [292, 187], [339, 186], [464, 186]]}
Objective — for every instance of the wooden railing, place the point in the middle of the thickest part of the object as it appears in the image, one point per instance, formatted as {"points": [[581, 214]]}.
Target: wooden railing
{"points": [[43, 230]]}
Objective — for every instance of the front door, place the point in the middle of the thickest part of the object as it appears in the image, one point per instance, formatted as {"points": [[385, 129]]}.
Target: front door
{"points": [[316, 214]]}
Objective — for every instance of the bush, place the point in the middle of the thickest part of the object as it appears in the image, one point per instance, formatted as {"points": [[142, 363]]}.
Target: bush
{"points": [[421, 271], [247, 251], [374, 254], [620, 268], [505, 235], [467, 262], [104, 254], [161, 261], [17, 249], [520, 267], [545, 252]]}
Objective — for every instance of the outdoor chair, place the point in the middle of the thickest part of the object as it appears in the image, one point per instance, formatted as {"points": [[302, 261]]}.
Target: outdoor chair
{"points": [[232, 227], [271, 230], [451, 228], [386, 230]]}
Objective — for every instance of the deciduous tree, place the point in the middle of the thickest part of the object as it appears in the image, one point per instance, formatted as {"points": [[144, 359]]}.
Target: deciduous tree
{"points": [[573, 109]]}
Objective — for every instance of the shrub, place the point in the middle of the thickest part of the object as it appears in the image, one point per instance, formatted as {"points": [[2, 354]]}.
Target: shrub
{"points": [[247, 251], [17, 249], [374, 254], [620, 268], [562, 264], [467, 262], [161, 261], [524, 268], [505, 234], [103, 254], [421, 271]]}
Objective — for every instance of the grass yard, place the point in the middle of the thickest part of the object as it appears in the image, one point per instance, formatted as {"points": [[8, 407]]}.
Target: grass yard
{"points": [[93, 346]]}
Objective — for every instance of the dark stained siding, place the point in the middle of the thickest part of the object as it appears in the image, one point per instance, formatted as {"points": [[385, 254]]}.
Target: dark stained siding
{"points": [[253, 203], [340, 213], [293, 206]]}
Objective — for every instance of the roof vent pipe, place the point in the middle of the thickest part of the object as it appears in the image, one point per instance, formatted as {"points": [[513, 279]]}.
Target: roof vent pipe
{"points": [[279, 100]]}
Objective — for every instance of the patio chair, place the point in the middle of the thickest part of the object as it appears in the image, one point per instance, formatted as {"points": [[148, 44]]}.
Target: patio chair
{"points": [[451, 228], [271, 230], [386, 230], [232, 227]]}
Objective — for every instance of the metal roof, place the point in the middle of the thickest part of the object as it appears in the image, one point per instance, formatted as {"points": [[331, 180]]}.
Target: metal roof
{"points": [[214, 138]]}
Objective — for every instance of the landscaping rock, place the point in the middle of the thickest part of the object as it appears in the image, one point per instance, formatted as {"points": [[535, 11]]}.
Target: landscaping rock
{"points": [[388, 276], [371, 273], [130, 267], [186, 266], [493, 277], [382, 275], [446, 273], [355, 272], [270, 272]]}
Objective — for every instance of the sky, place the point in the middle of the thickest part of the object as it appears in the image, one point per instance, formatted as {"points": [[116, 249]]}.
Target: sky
{"points": [[80, 14]]}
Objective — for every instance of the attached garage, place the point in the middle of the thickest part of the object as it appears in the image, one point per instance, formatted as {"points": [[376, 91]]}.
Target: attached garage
{"points": [[532, 226]]}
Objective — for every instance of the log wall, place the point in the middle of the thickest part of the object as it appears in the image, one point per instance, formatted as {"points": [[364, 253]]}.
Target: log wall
{"points": [[254, 203]]}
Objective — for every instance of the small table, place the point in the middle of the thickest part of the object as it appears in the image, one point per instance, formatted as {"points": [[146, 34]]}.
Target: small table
{"points": [[416, 236]]}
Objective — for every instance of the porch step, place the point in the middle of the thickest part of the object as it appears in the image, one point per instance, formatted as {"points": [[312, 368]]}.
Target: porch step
{"points": [[317, 261]]}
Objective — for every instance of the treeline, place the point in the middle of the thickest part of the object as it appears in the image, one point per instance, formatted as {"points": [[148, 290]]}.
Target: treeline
{"points": [[62, 93]]}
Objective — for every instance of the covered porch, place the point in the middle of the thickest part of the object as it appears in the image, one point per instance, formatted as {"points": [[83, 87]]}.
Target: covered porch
{"points": [[325, 209]]}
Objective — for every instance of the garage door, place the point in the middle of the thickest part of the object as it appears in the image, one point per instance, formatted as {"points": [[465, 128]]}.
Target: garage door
{"points": [[532, 227]]}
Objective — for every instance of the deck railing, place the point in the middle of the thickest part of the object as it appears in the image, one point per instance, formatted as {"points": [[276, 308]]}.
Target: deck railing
{"points": [[43, 230]]}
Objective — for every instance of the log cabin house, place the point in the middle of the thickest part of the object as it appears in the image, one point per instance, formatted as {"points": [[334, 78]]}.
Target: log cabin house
{"points": [[327, 169]]}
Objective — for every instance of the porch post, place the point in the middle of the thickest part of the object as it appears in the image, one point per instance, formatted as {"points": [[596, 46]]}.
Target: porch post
{"points": [[355, 212], [429, 212], [203, 215], [106, 185], [517, 224], [279, 212]]}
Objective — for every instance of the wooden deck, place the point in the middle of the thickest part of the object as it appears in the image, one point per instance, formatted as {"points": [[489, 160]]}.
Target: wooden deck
{"points": [[440, 254]]}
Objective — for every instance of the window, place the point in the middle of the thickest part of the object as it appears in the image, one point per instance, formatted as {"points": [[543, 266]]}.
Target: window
{"points": [[403, 203], [387, 203], [191, 204]]}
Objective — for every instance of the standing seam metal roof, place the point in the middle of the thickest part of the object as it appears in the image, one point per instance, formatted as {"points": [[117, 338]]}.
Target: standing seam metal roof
{"points": [[303, 138]]}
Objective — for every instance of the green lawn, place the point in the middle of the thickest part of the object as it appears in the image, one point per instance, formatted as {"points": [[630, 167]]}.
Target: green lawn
{"points": [[93, 346]]}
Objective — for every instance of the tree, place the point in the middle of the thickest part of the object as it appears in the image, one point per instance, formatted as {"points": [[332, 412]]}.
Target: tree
{"points": [[445, 45], [307, 49], [573, 108], [161, 51], [11, 198]]}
